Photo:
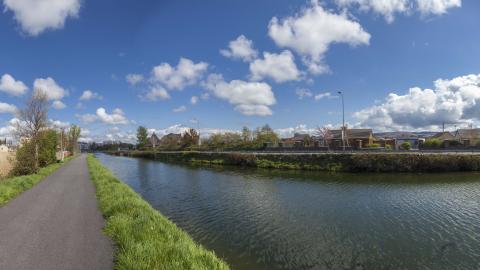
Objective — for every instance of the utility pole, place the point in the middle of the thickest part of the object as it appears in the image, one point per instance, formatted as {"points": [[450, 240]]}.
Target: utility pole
{"points": [[343, 120], [62, 155]]}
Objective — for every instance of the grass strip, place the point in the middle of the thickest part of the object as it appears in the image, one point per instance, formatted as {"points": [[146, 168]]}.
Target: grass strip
{"points": [[144, 238], [14, 186]]}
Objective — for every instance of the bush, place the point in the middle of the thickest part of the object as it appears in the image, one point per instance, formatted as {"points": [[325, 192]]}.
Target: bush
{"points": [[406, 146], [24, 160], [432, 143], [374, 145], [47, 148]]}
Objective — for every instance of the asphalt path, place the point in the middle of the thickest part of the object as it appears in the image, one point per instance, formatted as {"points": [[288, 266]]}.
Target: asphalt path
{"points": [[55, 225]]}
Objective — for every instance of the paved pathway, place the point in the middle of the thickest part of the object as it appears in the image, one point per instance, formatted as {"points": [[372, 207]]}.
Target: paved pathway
{"points": [[55, 225]]}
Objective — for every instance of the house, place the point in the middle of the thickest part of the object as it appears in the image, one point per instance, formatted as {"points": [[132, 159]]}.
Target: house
{"points": [[468, 137], [153, 141], [443, 136], [356, 138], [388, 143], [409, 137], [298, 140]]}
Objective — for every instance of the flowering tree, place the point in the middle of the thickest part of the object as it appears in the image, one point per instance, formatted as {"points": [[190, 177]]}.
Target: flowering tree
{"points": [[326, 135]]}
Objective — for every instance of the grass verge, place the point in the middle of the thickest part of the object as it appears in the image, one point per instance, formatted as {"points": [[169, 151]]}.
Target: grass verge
{"points": [[12, 187], [144, 238]]}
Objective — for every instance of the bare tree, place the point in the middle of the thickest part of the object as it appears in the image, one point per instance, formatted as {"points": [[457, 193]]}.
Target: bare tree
{"points": [[326, 135], [33, 119]]}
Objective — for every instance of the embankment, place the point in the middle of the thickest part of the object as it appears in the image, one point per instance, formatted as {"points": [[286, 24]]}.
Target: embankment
{"points": [[145, 239], [342, 162]]}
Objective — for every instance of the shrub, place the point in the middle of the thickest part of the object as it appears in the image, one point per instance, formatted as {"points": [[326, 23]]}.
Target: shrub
{"points": [[406, 146], [24, 160], [374, 145], [432, 143], [48, 146]]}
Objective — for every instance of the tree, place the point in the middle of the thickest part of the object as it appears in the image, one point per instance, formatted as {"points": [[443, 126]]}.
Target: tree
{"points": [[73, 136], [32, 119], [190, 138], [142, 137], [265, 135], [326, 135], [48, 141], [246, 134]]}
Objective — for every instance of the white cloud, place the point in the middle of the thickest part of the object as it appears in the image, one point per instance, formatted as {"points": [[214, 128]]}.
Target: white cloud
{"points": [[180, 129], [240, 48], [194, 100], [253, 109], [279, 67], [303, 93], [290, 131], [9, 85], [7, 108], [50, 87], [87, 118], [388, 8], [184, 74], [249, 98], [8, 131], [455, 101], [89, 94], [180, 109], [324, 95], [134, 79], [58, 124], [311, 33], [437, 7], [156, 93], [58, 105], [36, 16], [117, 117]]}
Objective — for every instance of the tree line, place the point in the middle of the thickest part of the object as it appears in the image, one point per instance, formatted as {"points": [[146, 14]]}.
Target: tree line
{"points": [[38, 141], [190, 140]]}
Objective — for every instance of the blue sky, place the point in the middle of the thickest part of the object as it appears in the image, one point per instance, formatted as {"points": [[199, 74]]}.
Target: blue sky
{"points": [[289, 59]]}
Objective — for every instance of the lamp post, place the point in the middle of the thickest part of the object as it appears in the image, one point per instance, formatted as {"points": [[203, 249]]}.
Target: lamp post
{"points": [[343, 120]]}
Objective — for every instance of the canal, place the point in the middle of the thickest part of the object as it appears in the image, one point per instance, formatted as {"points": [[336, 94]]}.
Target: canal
{"points": [[266, 219]]}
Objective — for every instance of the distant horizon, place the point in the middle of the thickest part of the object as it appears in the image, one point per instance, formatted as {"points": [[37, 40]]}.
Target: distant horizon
{"points": [[403, 65]]}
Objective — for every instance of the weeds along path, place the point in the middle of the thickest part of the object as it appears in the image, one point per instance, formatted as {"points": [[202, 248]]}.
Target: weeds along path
{"points": [[55, 225]]}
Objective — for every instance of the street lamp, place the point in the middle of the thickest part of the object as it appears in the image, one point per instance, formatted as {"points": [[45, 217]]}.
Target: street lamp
{"points": [[343, 120]]}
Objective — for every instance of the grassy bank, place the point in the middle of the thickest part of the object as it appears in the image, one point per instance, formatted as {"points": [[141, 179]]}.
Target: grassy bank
{"points": [[12, 187], [144, 238], [344, 162]]}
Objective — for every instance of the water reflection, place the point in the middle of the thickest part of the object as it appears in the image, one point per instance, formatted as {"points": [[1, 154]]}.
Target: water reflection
{"points": [[264, 219]]}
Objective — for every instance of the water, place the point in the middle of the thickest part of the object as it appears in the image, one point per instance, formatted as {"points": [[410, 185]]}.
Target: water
{"points": [[265, 219]]}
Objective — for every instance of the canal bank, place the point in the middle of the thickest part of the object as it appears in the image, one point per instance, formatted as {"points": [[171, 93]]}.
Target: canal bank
{"points": [[263, 219], [144, 238], [332, 162]]}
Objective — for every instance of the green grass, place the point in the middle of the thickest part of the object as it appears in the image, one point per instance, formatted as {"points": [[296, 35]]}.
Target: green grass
{"points": [[145, 239], [12, 187]]}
